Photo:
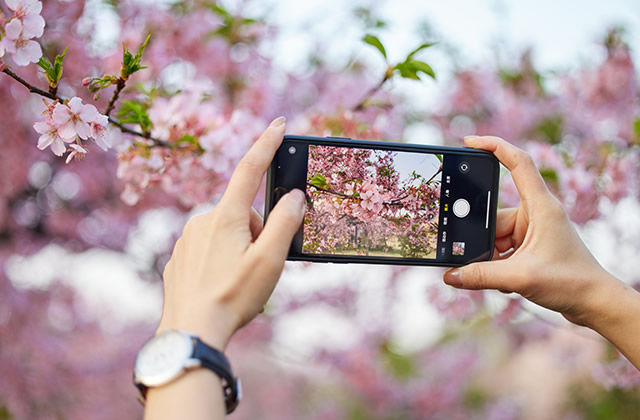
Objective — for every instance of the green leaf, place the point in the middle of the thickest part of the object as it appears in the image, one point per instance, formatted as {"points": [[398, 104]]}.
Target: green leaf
{"points": [[318, 180], [375, 42], [549, 175], [132, 112], [421, 66], [131, 63], [411, 69], [44, 64], [636, 130], [400, 365], [550, 129], [420, 48], [439, 158], [57, 65], [406, 71]]}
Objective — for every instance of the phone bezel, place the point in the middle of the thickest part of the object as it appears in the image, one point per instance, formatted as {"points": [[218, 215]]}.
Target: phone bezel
{"points": [[384, 145]]}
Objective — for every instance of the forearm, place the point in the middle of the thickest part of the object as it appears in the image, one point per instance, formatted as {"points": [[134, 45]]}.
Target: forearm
{"points": [[615, 314], [196, 395]]}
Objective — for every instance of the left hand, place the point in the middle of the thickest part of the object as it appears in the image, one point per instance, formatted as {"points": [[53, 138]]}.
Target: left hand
{"points": [[225, 266]]}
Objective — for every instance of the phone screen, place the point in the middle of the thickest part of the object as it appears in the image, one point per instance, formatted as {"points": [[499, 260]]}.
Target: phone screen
{"points": [[389, 204]]}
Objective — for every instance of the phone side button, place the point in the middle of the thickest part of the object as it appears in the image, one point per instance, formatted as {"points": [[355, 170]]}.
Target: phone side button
{"points": [[339, 138]]}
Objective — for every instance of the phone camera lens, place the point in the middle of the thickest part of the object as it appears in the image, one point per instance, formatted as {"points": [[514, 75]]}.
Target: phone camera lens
{"points": [[292, 150], [464, 167]]}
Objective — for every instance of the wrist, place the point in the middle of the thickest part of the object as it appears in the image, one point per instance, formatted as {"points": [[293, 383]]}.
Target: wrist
{"points": [[214, 326], [612, 305]]}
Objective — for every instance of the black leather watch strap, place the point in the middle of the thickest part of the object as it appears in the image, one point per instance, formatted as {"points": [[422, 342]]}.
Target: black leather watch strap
{"points": [[216, 361]]}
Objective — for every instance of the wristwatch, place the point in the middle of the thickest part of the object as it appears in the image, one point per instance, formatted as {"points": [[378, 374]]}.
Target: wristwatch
{"points": [[171, 353]]}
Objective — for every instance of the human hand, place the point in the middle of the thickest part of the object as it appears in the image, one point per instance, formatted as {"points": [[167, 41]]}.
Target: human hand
{"points": [[538, 253], [225, 266]]}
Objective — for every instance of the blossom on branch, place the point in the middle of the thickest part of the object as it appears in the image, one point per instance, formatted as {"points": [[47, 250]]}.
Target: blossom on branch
{"points": [[75, 118], [15, 42], [78, 152], [27, 12], [68, 123], [50, 137]]}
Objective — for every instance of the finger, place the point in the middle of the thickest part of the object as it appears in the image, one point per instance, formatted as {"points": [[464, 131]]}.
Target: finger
{"points": [[282, 224], [506, 222], [246, 179], [255, 224], [524, 172], [504, 244], [501, 275]]}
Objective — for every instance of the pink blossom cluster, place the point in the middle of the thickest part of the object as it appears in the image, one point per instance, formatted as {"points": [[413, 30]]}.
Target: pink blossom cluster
{"points": [[18, 31], [581, 136], [358, 202], [69, 124], [205, 145]]}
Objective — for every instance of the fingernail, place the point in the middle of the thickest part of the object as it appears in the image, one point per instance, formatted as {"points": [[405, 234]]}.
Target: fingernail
{"points": [[453, 278], [298, 197], [471, 137], [278, 122]]}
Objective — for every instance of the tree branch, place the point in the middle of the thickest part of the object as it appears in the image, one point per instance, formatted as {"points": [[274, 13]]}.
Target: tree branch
{"points": [[363, 102], [31, 88], [114, 98], [119, 87]]}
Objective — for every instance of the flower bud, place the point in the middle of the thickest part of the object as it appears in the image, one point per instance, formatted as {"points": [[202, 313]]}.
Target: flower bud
{"points": [[86, 81]]}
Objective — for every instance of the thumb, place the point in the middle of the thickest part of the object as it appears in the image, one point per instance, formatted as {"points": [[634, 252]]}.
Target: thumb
{"points": [[482, 275], [282, 224]]}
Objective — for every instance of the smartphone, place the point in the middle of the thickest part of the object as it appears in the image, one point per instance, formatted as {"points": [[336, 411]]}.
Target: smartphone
{"points": [[376, 202]]}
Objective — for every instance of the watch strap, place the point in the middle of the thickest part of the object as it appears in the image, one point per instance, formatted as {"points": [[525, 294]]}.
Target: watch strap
{"points": [[216, 361]]}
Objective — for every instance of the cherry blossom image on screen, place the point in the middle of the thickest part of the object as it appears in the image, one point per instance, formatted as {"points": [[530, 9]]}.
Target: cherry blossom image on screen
{"points": [[458, 248], [372, 202]]}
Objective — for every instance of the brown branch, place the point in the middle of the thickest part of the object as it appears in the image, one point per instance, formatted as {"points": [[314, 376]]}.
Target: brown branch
{"points": [[330, 191], [363, 102], [32, 88], [114, 98], [53, 96], [148, 136]]}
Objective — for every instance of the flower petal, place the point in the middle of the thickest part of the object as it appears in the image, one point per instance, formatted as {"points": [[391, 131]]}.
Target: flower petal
{"points": [[57, 147], [103, 141], [21, 57], [101, 120], [13, 29], [70, 157], [75, 104], [78, 148], [61, 114], [83, 130], [9, 44], [42, 127], [67, 131], [29, 53], [44, 141], [32, 26], [33, 6], [88, 113], [12, 4]]}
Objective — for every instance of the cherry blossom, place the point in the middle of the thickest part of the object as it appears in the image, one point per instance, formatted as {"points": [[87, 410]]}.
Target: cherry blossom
{"points": [[78, 152], [23, 50], [28, 13], [99, 131], [50, 137], [75, 119]]}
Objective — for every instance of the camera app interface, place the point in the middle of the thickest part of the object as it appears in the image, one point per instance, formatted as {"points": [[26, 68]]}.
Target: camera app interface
{"points": [[371, 202]]}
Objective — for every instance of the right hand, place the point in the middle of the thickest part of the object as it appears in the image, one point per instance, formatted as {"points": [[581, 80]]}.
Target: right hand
{"points": [[538, 253]]}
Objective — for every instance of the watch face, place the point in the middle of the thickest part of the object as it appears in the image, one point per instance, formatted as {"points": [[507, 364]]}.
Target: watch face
{"points": [[163, 358]]}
